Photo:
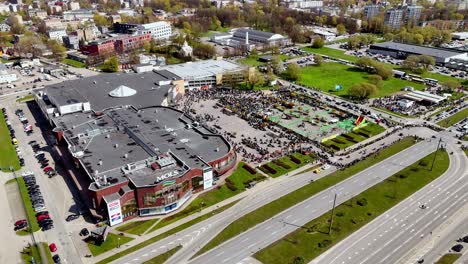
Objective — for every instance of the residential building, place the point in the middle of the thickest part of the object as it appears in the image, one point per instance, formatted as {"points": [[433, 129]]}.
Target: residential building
{"points": [[125, 28], [71, 42], [56, 10], [80, 14], [371, 11], [160, 30], [57, 34], [38, 13], [86, 34], [412, 14], [393, 18], [73, 5]]}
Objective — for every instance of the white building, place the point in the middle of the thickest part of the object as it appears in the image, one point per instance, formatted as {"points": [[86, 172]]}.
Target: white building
{"points": [[57, 34], [159, 30], [5, 76], [139, 68], [303, 4], [73, 5], [4, 27]]}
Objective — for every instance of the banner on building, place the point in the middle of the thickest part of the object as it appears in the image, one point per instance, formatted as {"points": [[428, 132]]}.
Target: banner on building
{"points": [[115, 212]]}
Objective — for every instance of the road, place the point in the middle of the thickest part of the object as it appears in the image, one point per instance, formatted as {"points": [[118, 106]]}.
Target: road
{"points": [[400, 229], [193, 238], [264, 234]]}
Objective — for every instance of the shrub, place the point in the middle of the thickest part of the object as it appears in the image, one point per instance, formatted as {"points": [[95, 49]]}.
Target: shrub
{"points": [[249, 169], [231, 186], [269, 169], [324, 243], [340, 214], [282, 164], [294, 159], [423, 163], [362, 202], [402, 176], [264, 170]]}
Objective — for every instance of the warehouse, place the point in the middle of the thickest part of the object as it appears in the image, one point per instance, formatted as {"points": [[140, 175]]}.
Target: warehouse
{"points": [[401, 51], [138, 157]]}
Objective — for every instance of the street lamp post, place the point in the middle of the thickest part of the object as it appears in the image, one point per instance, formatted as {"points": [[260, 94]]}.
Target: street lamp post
{"points": [[118, 242], [332, 214]]}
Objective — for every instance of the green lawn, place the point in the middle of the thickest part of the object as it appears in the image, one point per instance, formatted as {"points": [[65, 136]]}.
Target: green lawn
{"points": [[137, 227], [313, 239], [353, 137], [163, 257], [220, 193], [166, 234], [28, 205], [111, 242], [8, 154], [47, 251], [74, 63], [329, 74], [26, 98], [29, 253], [448, 258], [250, 61], [286, 164], [453, 119], [334, 53], [271, 209]]}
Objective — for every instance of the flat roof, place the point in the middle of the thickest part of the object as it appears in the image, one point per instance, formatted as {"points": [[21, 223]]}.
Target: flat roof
{"points": [[201, 69], [435, 52], [96, 90], [424, 96]]}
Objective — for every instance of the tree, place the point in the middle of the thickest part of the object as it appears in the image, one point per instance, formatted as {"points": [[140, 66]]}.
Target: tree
{"points": [[451, 85], [58, 51], [255, 78], [341, 29], [318, 59], [365, 63], [15, 26], [362, 90], [204, 51], [276, 64], [318, 43], [100, 20], [426, 61], [376, 80], [293, 72], [385, 71], [111, 65], [411, 63], [254, 54]]}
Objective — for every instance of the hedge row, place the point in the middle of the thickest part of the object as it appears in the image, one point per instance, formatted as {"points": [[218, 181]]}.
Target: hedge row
{"points": [[249, 169], [281, 164], [269, 169], [231, 186], [294, 159]]}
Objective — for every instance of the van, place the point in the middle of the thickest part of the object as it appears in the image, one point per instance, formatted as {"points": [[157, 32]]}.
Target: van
{"points": [[317, 170]]}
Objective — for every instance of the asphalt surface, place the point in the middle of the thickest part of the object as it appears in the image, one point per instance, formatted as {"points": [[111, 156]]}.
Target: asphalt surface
{"points": [[262, 235]]}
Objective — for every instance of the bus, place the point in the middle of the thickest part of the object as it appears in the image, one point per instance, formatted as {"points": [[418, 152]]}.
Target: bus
{"points": [[430, 81]]}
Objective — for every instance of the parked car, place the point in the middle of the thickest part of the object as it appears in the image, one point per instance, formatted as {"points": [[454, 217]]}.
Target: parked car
{"points": [[84, 232], [457, 248], [21, 226], [72, 217], [52, 247], [56, 259], [19, 222]]}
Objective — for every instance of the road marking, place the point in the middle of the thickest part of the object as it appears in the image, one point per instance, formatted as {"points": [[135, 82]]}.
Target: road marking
{"points": [[145, 255], [245, 239], [220, 253]]}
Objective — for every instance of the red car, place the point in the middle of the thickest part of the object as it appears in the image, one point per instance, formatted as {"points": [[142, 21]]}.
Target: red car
{"points": [[52, 247], [20, 222], [46, 169], [42, 217]]}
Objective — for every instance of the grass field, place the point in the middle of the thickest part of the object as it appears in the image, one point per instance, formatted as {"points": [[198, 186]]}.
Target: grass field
{"points": [[453, 119], [137, 227], [74, 63], [329, 74], [313, 239], [289, 165], [353, 137], [111, 242], [28, 205], [252, 61], [166, 234], [269, 210], [8, 154], [448, 258], [334, 53], [163, 257], [215, 196]]}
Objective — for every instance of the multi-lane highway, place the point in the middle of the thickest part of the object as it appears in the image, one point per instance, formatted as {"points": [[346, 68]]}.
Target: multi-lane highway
{"points": [[249, 242], [390, 236]]}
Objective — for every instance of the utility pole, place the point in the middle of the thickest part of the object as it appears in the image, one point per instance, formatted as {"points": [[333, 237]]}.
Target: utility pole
{"points": [[435, 154], [332, 215]]}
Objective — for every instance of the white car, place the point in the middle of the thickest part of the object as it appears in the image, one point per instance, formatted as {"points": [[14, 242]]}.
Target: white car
{"points": [[325, 167]]}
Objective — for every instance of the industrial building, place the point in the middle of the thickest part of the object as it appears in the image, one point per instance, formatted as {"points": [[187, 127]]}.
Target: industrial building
{"points": [[139, 156], [6, 76], [401, 51], [249, 39]]}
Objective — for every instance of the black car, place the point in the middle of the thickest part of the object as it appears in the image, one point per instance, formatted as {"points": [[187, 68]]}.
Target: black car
{"points": [[21, 162], [32, 142], [84, 232], [72, 217], [21, 226], [45, 222], [45, 164], [47, 227], [457, 248], [56, 258]]}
